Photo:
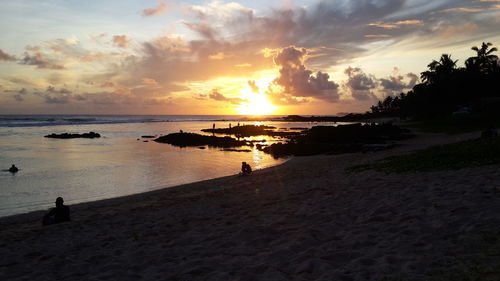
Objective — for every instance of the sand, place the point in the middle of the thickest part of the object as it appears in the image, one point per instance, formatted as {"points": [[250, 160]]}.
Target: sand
{"points": [[303, 220]]}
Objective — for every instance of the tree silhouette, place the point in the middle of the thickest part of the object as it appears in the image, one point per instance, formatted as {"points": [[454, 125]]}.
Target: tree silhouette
{"points": [[438, 70], [484, 61], [446, 88]]}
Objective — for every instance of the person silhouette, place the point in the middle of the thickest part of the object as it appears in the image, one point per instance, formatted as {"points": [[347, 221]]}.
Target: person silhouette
{"points": [[245, 169], [58, 214], [13, 169]]}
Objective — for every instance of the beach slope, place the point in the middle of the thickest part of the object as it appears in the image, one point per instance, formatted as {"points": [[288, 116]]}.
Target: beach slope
{"points": [[306, 219]]}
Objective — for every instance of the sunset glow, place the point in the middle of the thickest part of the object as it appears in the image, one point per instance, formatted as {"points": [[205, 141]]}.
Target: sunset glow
{"points": [[185, 57], [256, 104]]}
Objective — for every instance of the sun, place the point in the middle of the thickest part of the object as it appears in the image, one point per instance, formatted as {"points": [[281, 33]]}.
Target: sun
{"points": [[255, 104]]}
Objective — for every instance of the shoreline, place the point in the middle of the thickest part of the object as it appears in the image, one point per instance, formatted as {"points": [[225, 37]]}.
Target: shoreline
{"points": [[140, 195], [305, 219]]}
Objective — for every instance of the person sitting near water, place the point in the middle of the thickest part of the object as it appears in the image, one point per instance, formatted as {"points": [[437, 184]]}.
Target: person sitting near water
{"points": [[245, 169], [58, 214]]}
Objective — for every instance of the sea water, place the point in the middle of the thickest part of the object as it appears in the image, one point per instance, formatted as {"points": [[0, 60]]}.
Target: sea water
{"points": [[119, 163]]}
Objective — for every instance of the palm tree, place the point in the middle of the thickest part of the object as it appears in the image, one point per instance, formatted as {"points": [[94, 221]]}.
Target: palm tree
{"points": [[484, 61], [439, 70]]}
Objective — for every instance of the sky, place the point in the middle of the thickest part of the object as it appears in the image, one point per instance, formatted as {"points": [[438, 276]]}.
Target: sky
{"points": [[221, 57]]}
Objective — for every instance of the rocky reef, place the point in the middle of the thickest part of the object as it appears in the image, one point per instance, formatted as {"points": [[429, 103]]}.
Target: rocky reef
{"points": [[250, 130], [192, 139], [89, 135], [339, 139]]}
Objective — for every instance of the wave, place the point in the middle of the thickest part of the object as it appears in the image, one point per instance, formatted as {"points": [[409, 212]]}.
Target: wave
{"points": [[60, 120]]}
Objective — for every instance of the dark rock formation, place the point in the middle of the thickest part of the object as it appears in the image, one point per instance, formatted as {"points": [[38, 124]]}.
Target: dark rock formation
{"points": [[237, 150], [89, 135], [191, 139], [336, 140], [249, 130]]}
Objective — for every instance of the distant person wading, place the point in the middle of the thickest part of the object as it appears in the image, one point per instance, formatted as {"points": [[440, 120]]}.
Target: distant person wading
{"points": [[13, 169]]}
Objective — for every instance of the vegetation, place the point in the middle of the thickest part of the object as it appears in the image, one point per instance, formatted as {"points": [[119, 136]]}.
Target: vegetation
{"points": [[471, 153], [446, 88], [456, 124]]}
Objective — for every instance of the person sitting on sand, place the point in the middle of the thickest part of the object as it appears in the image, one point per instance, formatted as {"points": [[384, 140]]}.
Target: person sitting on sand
{"points": [[58, 214], [490, 132], [13, 169], [245, 169]]}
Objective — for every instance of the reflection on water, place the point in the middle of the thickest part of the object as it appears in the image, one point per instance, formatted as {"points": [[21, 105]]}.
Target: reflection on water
{"points": [[117, 164], [114, 165]]}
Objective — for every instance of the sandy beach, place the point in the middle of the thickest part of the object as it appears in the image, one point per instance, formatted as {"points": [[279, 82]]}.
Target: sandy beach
{"points": [[306, 219]]}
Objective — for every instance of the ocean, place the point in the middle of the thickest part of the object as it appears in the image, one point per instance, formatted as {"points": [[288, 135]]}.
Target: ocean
{"points": [[119, 163]]}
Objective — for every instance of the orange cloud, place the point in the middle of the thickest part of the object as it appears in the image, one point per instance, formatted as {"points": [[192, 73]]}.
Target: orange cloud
{"points": [[463, 10], [218, 56], [397, 24], [40, 61], [121, 41], [6, 57], [454, 30], [299, 82], [149, 81], [378, 36], [160, 9]]}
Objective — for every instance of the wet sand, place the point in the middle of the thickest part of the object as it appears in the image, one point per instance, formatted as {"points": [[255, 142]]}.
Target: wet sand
{"points": [[306, 219]]}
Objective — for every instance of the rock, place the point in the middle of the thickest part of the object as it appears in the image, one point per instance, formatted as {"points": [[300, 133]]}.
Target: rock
{"points": [[191, 139], [89, 135], [250, 130], [236, 150], [340, 139]]}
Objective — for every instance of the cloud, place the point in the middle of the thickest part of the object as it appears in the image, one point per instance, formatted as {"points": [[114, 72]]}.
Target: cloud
{"points": [[460, 29], [215, 95], [121, 41], [360, 85], [149, 81], [298, 81], [203, 28], [219, 10], [397, 24], [56, 100], [52, 90], [40, 61], [396, 83], [53, 96], [108, 84], [378, 36], [160, 9], [231, 40], [252, 85], [463, 10], [218, 56], [98, 37], [17, 94], [6, 57]]}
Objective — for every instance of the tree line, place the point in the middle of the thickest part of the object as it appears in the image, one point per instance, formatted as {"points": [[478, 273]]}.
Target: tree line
{"points": [[445, 88]]}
